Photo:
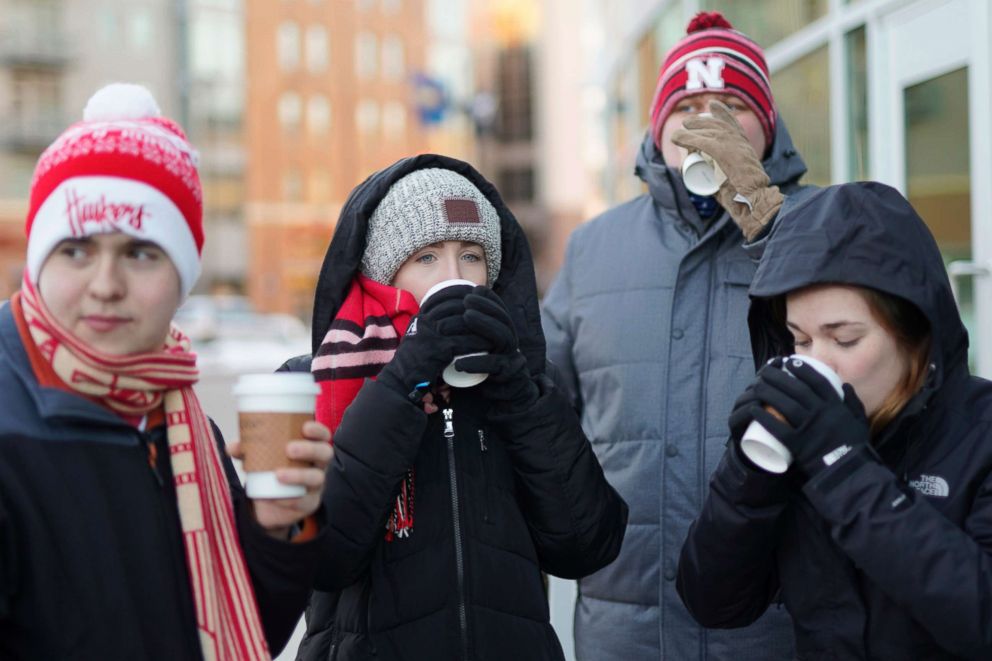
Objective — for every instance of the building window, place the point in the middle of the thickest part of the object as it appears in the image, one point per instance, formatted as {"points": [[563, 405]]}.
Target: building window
{"points": [[288, 46], [366, 46], [394, 119], [857, 105], [140, 30], [318, 115], [770, 21], [516, 184], [317, 50], [802, 94], [292, 186], [290, 111], [367, 115], [319, 186], [393, 64], [514, 93]]}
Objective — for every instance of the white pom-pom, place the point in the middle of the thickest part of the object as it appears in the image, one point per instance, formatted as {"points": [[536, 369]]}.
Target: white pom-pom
{"points": [[121, 101]]}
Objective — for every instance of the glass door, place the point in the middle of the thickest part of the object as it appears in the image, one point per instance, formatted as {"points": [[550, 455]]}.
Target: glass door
{"points": [[932, 141]]}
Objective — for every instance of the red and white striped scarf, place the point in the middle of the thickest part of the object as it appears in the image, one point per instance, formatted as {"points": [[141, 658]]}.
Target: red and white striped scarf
{"points": [[135, 384], [361, 339]]}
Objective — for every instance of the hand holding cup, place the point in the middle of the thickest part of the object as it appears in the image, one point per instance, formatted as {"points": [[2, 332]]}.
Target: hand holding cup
{"points": [[759, 445], [285, 452]]}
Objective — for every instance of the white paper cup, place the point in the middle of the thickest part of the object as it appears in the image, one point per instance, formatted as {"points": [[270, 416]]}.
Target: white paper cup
{"points": [[451, 375], [759, 445], [271, 411], [701, 174]]}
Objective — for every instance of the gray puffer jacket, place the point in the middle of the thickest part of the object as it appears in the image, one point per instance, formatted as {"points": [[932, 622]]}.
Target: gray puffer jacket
{"points": [[647, 320]]}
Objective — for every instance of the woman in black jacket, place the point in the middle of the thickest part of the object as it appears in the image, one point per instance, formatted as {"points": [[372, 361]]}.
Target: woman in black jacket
{"points": [[445, 504], [878, 539]]}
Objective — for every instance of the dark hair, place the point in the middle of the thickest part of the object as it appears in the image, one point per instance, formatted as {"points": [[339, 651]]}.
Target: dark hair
{"points": [[901, 319]]}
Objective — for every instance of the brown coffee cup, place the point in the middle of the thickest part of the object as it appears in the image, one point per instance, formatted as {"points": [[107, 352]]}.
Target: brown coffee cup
{"points": [[271, 411]]}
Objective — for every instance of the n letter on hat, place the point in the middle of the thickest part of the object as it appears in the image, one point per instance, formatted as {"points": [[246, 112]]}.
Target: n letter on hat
{"points": [[708, 74]]}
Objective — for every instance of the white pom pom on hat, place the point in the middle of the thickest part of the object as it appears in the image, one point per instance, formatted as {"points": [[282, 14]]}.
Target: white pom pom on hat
{"points": [[119, 101]]}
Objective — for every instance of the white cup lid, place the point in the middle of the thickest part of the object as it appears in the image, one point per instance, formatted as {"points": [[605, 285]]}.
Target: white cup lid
{"points": [[456, 378], [444, 284], [824, 370], [276, 383]]}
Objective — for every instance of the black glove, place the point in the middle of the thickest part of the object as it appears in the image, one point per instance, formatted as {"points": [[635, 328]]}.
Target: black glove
{"points": [[509, 386], [819, 426], [435, 336]]}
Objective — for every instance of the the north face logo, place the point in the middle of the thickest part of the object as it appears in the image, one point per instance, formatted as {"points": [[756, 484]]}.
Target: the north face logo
{"points": [[412, 328], [931, 485], [462, 210]]}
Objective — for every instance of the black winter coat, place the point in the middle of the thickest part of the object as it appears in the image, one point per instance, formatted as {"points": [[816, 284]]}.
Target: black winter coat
{"points": [[496, 500], [886, 554], [92, 563]]}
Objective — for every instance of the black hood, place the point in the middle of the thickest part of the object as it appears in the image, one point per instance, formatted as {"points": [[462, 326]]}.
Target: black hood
{"points": [[516, 283], [863, 234]]}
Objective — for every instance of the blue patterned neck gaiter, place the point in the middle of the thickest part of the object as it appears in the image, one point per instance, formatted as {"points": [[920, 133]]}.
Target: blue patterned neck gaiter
{"points": [[706, 205]]}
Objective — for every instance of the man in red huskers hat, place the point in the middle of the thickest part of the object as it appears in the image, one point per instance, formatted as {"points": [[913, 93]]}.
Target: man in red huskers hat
{"points": [[124, 532], [648, 322]]}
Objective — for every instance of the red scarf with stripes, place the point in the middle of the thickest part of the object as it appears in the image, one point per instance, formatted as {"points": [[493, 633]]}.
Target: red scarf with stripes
{"points": [[133, 385], [361, 339]]}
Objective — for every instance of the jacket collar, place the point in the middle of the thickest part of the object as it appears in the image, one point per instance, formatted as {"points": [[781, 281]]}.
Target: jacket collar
{"points": [[51, 403]]}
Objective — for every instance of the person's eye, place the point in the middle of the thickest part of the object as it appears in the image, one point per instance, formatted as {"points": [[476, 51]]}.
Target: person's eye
{"points": [[472, 257], [426, 258], [144, 253], [801, 342], [73, 251], [685, 108], [847, 344]]}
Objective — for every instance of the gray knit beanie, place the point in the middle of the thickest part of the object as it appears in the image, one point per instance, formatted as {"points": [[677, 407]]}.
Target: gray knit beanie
{"points": [[425, 207]]}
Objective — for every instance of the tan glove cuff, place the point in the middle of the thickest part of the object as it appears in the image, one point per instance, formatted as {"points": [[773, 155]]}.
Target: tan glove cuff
{"points": [[764, 205]]}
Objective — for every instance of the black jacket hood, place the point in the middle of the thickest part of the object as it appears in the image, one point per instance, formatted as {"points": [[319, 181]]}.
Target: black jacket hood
{"points": [[864, 234], [516, 283]]}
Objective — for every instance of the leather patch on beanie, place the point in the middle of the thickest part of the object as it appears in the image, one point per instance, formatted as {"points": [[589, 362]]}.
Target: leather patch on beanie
{"points": [[461, 210]]}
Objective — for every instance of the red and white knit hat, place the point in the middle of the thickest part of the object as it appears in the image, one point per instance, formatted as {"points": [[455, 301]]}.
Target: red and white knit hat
{"points": [[714, 58], [124, 168]]}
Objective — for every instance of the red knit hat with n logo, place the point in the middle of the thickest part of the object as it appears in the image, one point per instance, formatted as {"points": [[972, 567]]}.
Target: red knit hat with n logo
{"points": [[124, 168], [714, 58]]}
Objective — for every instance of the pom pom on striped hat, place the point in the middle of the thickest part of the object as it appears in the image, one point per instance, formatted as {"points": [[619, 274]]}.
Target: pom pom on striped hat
{"points": [[123, 168], [713, 57]]}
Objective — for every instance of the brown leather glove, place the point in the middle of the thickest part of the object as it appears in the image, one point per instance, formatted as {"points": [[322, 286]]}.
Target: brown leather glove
{"points": [[746, 194]]}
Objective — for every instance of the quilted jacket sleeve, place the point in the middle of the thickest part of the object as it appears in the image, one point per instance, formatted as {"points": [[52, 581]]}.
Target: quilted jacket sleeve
{"points": [[363, 478], [939, 572], [556, 323], [577, 520], [727, 573]]}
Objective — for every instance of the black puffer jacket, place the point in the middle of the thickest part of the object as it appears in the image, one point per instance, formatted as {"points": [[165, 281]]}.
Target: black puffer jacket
{"points": [[885, 554], [496, 502], [92, 562]]}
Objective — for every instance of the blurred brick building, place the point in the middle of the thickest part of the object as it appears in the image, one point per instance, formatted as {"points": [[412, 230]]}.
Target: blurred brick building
{"points": [[329, 100]]}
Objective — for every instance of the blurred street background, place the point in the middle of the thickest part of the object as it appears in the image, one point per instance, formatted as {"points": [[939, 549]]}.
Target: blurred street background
{"points": [[293, 102]]}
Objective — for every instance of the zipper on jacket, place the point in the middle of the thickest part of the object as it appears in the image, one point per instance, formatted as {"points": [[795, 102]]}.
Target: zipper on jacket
{"points": [[485, 474], [449, 436]]}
